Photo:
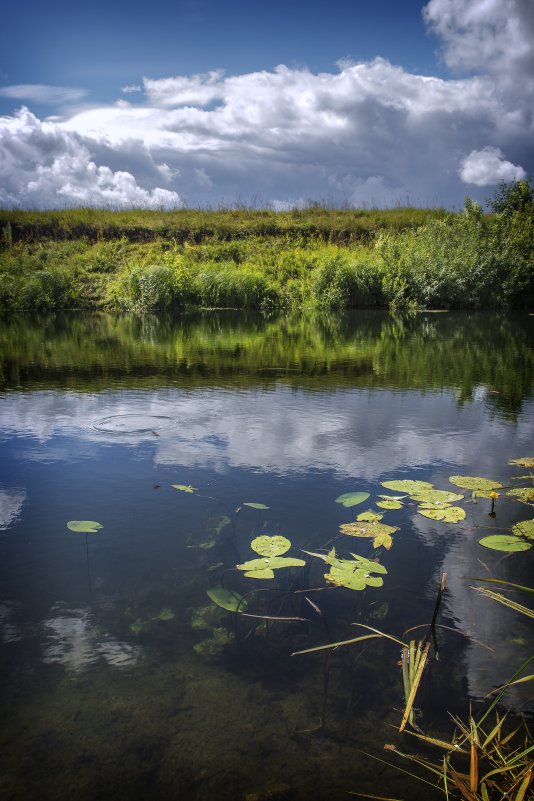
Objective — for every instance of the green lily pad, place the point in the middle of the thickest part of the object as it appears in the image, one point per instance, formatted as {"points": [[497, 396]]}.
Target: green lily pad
{"points": [[353, 574], [475, 483], [505, 542], [260, 574], [270, 563], [525, 461], [523, 494], [370, 516], [436, 496], [408, 485], [185, 487], [383, 539], [84, 526], [352, 498], [524, 529], [389, 504], [451, 514], [270, 546], [436, 505], [366, 529], [227, 599], [255, 505]]}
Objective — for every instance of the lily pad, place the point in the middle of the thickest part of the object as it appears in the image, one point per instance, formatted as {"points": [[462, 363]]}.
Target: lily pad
{"points": [[365, 529], [260, 574], [436, 505], [436, 496], [524, 529], [227, 599], [270, 546], [525, 461], [267, 564], [255, 505], [383, 539], [523, 494], [185, 487], [352, 498], [353, 574], [389, 503], [408, 485], [505, 542], [84, 526], [475, 483], [451, 514], [370, 516]]}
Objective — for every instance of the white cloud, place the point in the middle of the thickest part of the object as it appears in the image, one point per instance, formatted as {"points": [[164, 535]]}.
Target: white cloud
{"points": [[46, 166], [487, 166], [369, 134], [131, 88], [40, 93], [494, 36]]}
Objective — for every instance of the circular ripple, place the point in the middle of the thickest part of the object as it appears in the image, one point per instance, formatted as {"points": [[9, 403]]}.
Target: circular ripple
{"points": [[133, 423]]}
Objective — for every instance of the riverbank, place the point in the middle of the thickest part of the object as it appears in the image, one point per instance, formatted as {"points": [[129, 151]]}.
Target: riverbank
{"points": [[331, 259]]}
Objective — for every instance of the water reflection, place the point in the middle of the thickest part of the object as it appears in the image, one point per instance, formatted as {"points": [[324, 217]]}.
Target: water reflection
{"points": [[476, 355], [74, 640]]}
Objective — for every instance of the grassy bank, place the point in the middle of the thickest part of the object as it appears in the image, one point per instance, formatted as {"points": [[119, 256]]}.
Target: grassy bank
{"points": [[315, 258]]}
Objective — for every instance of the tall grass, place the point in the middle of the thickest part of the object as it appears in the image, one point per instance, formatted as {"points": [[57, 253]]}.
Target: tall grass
{"points": [[317, 258]]}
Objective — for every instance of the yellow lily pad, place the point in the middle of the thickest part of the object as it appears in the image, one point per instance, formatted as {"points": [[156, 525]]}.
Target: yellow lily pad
{"points": [[452, 514], [525, 461], [408, 485], [475, 483], [524, 529], [523, 494]]}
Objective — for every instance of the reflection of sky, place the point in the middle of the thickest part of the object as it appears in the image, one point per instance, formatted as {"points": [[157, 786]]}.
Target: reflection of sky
{"points": [[74, 642], [352, 434], [11, 502], [356, 433]]}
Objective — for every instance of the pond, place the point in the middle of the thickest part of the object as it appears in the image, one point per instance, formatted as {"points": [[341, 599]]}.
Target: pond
{"points": [[120, 677]]}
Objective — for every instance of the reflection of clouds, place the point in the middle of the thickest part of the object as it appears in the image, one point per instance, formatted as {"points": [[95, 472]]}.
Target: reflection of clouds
{"points": [[11, 502], [75, 643], [508, 634], [9, 632], [353, 432]]}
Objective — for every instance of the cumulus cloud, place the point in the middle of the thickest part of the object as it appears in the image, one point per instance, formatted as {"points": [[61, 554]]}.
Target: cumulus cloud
{"points": [[369, 134], [487, 166], [45, 166]]}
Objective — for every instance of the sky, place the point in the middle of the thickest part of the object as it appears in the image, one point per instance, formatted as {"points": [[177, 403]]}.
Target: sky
{"points": [[205, 104]]}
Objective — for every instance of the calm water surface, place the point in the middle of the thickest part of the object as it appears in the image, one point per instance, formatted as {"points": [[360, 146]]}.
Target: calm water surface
{"points": [[119, 679]]}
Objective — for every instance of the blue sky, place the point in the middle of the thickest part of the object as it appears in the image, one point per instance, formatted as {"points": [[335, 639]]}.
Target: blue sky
{"points": [[377, 103]]}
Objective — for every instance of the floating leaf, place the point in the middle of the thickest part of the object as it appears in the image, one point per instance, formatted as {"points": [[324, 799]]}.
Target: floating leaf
{"points": [[270, 546], [505, 542], [408, 485], [436, 496], [227, 599], [389, 504], [267, 573], [384, 539], [451, 514], [352, 498], [475, 483], [525, 461], [524, 529], [436, 505], [185, 487], [392, 497], [365, 529], [370, 516], [84, 526], [353, 574], [269, 563], [523, 494], [255, 505]]}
